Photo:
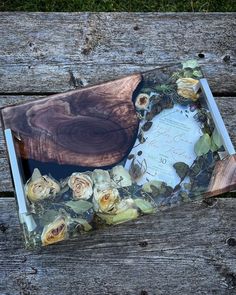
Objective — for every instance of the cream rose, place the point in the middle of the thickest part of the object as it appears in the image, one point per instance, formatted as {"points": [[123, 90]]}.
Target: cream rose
{"points": [[82, 185], [54, 232], [106, 201], [188, 88], [40, 187]]}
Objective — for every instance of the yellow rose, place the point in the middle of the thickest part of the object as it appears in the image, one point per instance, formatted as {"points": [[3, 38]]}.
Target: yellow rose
{"points": [[106, 201], [54, 232], [41, 188], [188, 88], [82, 186]]}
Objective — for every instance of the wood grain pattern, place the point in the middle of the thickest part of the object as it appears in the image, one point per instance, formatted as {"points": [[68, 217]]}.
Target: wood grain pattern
{"points": [[227, 107], [223, 177], [42, 53], [91, 127], [185, 250]]}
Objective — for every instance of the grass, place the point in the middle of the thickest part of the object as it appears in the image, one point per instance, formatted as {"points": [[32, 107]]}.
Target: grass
{"points": [[119, 5]]}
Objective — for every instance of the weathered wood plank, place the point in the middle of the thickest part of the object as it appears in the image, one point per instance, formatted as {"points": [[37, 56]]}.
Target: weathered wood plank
{"points": [[227, 107], [55, 52], [184, 250]]}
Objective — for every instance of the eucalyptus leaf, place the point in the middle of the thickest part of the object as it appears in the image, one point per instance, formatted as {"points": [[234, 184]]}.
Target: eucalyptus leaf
{"points": [[148, 186], [190, 64], [216, 138], [184, 196], [144, 206], [79, 206], [197, 73], [166, 190], [147, 90], [181, 169], [147, 126], [188, 73], [36, 174], [187, 186], [203, 145], [214, 147], [196, 166], [155, 191], [63, 190], [163, 88], [84, 223], [48, 217], [126, 215]]}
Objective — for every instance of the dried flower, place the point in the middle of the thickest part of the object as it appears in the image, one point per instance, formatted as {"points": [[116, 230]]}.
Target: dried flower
{"points": [[188, 88], [40, 187], [82, 185], [55, 231], [142, 101], [106, 201], [137, 169]]}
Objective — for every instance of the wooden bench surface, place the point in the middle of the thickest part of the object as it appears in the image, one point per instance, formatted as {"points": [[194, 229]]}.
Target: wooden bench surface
{"points": [[185, 250]]}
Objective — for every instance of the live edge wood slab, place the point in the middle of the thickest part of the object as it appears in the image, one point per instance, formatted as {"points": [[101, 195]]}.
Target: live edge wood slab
{"points": [[185, 250], [91, 127]]}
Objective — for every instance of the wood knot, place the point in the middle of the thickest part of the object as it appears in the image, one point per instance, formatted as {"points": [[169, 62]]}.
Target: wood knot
{"points": [[136, 28], [201, 55], [231, 241], [231, 280], [143, 244], [3, 227], [86, 50], [33, 271], [226, 58]]}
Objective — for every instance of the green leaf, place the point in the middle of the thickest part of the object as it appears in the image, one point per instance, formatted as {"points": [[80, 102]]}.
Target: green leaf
{"points": [[196, 166], [188, 73], [216, 138], [184, 196], [79, 206], [128, 214], [144, 206], [48, 217], [197, 73], [147, 90], [63, 190], [147, 187], [190, 64], [181, 169], [84, 223], [214, 147], [203, 145], [187, 186]]}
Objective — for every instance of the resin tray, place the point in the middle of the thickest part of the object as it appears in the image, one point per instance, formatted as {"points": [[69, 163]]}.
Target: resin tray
{"points": [[107, 154]]}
